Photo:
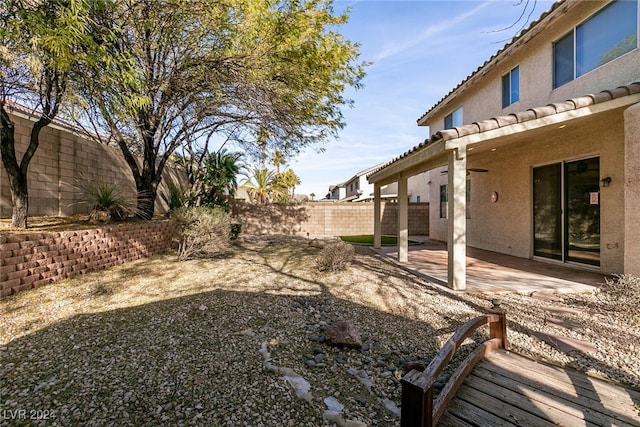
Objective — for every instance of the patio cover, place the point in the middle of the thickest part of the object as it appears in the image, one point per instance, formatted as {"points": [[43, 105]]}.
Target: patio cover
{"points": [[449, 147]]}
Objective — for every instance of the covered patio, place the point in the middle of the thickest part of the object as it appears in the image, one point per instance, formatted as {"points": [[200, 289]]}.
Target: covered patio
{"points": [[513, 148], [491, 272]]}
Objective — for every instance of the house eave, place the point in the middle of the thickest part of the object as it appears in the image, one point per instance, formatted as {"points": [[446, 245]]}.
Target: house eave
{"points": [[433, 153]]}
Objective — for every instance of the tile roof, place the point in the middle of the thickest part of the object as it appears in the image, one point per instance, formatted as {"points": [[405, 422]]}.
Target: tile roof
{"points": [[520, 117], [565, 4]]}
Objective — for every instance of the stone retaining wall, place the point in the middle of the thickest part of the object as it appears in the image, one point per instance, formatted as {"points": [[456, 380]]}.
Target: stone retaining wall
{"points": [[32, 260]]}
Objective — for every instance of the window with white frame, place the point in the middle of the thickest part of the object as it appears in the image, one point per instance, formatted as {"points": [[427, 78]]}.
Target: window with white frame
{"points": [[608, 34], [454, 119], [511, 87]]}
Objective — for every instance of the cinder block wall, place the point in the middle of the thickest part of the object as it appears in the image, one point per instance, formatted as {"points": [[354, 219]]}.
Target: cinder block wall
{"points": [[64, 159], [326, 219], [32, 260]]}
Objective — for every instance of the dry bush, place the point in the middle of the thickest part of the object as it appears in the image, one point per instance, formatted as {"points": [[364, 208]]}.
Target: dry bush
{"points": [[203, 231], [621, 294], [335, 257]]}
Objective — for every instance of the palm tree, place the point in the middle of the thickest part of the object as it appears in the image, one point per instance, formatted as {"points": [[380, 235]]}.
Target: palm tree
{"points": [[260, 184], [289, 181], [221, 171], [278, 159]]}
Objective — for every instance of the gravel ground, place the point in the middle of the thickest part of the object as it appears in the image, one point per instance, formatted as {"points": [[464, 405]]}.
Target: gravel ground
{"points": [[233, 341]]}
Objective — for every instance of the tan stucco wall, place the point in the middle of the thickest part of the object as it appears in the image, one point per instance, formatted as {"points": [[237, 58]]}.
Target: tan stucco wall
{"points": [[632, 190], [506, 226], [62, 160], [535, 58]]}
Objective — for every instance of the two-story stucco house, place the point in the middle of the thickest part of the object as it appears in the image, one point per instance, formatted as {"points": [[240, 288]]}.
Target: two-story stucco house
{"points": [[358, 189], [537, 152]]}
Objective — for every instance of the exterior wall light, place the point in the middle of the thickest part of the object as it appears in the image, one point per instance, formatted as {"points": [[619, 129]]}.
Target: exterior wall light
{"points": [[604, 182]]}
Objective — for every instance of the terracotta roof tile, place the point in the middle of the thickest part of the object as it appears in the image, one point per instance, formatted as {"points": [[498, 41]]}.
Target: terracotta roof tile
{"points": [[521, 117], [634, 88], [561, 107], [511, 119], [467, 129], [446, 134], [525, 116], [583, 101], [486, 125], [545, 111], [619, 91], [603, 96]]}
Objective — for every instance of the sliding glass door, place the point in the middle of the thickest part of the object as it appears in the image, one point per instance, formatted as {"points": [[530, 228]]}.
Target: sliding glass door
{"points": [[566, 211], [547, 211]]}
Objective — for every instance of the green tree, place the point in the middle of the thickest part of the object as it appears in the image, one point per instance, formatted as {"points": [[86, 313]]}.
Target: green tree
{"points": [[40, 52], [221, 171], [278, 159], [261, 185], [176, 71], [287, 182]]}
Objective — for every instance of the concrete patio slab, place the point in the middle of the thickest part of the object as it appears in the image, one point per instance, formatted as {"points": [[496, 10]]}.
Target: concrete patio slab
{"points": [[491, 272]]}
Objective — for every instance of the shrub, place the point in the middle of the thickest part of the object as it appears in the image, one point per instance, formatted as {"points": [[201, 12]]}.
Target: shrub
{"points": [[621, 294], [203, 231], [109, 201], [335, 257], [175, 197]]}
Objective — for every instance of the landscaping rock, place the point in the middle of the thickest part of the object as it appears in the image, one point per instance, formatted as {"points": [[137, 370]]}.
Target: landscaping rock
{"points": [[418, 365], [343, 334]]}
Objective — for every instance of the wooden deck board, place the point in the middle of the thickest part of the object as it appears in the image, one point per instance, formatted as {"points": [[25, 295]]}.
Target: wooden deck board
{"points": [[507, 389]]}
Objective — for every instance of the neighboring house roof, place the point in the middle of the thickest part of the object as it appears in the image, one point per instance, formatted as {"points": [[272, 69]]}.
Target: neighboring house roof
{"points": [[357, 175], [521, 117], [534, 28]]}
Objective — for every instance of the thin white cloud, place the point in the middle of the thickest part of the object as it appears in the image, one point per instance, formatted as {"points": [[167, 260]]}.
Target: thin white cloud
{"points": [[428, 33]]}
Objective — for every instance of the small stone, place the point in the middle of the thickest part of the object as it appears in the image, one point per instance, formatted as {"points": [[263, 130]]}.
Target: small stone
{"points": [[317, 350], [318, 357], [417, 365], [310, 363], [314, 337]]}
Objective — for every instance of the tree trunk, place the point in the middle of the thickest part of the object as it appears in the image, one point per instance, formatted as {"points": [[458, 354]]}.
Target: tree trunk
{"points": [[17, 178], [146, 199], [20, 198]]}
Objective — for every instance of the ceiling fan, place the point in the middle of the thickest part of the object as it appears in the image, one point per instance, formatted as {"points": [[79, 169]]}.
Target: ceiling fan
{"points": [[469, 170]]}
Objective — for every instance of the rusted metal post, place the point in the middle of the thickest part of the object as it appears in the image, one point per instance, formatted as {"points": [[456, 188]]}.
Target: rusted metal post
{"points": [[417, 405], [499, 329]]}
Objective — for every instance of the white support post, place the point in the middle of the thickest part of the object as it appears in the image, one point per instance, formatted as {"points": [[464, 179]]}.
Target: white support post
{"points": [[457, 219], [403, 220], [377, 217]]}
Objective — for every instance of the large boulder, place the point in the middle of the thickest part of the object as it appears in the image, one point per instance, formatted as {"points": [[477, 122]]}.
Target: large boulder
{"points": [[343, 334]]}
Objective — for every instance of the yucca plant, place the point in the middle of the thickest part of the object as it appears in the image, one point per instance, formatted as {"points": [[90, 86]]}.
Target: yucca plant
{"points": [[175, 197], [109, 201]]}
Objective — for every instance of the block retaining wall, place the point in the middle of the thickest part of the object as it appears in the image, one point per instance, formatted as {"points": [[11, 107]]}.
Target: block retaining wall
{"points": [[33, 260], [327, 219]]}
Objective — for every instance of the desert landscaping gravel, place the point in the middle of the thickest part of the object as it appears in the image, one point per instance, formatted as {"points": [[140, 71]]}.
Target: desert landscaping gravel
{"points": [[237, 340]]}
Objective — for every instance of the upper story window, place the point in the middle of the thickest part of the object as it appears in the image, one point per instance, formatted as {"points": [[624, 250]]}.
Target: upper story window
{"points": [[608, 34], [511, 87], [454, 119]]}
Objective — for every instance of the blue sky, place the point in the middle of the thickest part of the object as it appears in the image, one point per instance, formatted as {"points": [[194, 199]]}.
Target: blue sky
{"points": [[420, 50]]}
